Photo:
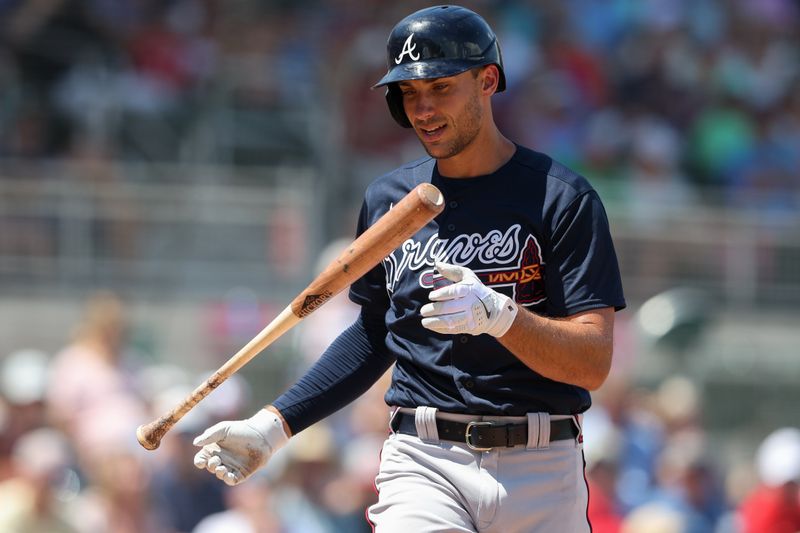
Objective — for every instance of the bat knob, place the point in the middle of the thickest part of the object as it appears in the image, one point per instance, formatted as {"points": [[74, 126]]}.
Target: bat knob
{"points": [[144, 435]]}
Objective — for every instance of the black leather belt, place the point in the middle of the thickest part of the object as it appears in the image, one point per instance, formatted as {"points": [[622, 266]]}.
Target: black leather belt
{"points": [[485, 435]]}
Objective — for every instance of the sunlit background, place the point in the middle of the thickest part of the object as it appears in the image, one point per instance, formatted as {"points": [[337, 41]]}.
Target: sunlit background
{"points": [[173, 173]]}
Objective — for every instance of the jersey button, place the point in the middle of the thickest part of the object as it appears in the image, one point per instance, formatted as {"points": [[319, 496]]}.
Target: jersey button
{"points": [[464, 339], [469, 384], [451, 227], [453, 204]]}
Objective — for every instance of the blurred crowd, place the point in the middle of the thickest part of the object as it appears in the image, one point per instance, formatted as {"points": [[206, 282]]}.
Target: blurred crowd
{"points": [[668, 106], [652, 99], [661, 103], [70, 462]]}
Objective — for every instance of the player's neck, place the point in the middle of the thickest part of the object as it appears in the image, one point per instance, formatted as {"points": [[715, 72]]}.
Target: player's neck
{"points": [[488, 152]]}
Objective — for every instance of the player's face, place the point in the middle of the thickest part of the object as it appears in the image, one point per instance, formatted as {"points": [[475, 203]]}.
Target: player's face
{"points": [[446, 113]]}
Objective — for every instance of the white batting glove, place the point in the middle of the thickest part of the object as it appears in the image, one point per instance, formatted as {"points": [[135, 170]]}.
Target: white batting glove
{"points": [[467, 306], [233, 450]]}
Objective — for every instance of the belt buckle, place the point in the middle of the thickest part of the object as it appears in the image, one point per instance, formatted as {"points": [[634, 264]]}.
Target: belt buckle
{"points": [[468, 436]]}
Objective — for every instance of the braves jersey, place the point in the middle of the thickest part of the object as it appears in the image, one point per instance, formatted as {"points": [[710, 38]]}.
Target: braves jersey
{"points": [[533, 230]]}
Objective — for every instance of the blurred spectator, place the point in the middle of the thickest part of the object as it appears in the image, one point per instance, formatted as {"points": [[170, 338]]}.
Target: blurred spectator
{"points": [[687, 484], [647, 461], [114, 226], [641, 435], [546, 116], [774, 505], [93, 398], [655, 189], [46, 39], [601, 452], [141, 76], [5, 441], [656, 185], [311, 463], [720, 138], [602, 511], [92, 393], [605, 142], [181, 495], [35, 498], [250, 509], [23, 382], [653, 518], [766, 181], [147, 80], [116, 497], [234, 319]]}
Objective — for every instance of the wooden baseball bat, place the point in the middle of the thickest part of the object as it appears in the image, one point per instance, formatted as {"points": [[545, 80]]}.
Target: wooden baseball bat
{"points": [[402, 221]]}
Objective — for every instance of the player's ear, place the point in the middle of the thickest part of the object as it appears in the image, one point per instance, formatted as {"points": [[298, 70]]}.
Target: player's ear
{"points": [[491, 78]]}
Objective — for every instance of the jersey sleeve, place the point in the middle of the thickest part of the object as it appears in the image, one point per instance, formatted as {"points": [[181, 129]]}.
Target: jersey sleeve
{"points": [[582, 271]]}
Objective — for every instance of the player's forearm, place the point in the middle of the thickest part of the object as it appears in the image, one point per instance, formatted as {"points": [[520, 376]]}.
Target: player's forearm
{"points": [[575, 350], [351, 365]]}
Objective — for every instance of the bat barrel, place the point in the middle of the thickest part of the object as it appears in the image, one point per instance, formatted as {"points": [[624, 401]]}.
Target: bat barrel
{"points": [[431, 197]]}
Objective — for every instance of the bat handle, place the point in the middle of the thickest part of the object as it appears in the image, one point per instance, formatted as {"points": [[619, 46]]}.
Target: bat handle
{"points": [[150, 435]]}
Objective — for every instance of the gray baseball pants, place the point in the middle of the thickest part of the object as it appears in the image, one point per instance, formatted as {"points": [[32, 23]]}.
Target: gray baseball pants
{"points": [[427, 485]]}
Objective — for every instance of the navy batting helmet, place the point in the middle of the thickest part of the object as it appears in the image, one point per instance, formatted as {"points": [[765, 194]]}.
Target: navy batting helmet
{"points": [[437, 42]]}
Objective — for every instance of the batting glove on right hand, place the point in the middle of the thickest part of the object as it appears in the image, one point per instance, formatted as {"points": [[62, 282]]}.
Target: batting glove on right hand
{"points": [[233, 450]]}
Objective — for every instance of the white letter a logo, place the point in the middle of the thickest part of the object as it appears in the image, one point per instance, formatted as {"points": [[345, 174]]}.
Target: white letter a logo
{"points": [[408, 48]]}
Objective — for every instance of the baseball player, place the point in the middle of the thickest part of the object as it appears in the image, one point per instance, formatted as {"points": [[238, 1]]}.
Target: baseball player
{"points": [[498, 315]]}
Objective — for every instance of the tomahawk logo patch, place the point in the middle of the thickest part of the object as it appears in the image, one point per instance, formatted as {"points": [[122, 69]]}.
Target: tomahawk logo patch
{"points": [[408, 48]]}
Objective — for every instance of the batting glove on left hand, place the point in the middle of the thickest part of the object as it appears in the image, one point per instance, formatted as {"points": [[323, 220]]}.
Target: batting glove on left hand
{"points": [[233, 450], [467, 306]]}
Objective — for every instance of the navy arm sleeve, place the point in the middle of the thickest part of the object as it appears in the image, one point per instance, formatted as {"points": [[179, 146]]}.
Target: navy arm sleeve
{"points": [[353, 362]]}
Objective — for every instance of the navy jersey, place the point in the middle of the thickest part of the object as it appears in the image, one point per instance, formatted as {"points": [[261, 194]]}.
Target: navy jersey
{"points": [[533, 230]]}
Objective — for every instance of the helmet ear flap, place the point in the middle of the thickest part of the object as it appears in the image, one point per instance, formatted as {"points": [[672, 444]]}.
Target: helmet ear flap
{"points": [[394, 97]]}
